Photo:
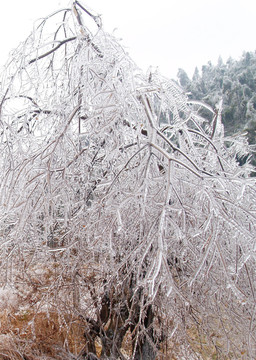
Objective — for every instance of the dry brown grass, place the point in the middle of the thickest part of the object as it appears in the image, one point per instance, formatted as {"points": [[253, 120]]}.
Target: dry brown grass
{"points": [[28, 335], [35, 325], [36, 336]]}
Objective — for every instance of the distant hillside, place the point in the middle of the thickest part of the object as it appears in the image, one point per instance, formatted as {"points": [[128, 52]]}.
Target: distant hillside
{"points": [[234, 82]]}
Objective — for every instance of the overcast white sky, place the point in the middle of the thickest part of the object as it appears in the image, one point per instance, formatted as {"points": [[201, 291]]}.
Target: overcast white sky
{"points": [[164, 33]]}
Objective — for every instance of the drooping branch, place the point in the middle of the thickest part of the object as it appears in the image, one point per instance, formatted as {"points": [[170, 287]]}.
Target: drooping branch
{"points": [[52, 50], [97, 19]]}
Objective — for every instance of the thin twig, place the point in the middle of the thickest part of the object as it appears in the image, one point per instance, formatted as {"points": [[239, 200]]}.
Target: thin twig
{"points": [[52, 50]]}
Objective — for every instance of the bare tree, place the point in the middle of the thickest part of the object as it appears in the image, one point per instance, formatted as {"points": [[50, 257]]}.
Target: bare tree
{"points": [[119, 204]]}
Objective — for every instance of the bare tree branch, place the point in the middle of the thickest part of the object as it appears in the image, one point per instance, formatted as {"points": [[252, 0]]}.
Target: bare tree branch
{"points": [[52, 50]]}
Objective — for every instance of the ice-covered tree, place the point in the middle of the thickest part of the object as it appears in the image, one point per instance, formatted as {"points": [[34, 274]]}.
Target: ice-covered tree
{"points": [[120, 205]]}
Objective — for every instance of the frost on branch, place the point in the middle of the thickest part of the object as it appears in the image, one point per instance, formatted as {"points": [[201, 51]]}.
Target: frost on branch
{"points": [[119, 204]]}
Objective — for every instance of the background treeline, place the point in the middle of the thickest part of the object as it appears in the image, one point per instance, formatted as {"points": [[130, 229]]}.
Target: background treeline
{"points": [[234, 82]]}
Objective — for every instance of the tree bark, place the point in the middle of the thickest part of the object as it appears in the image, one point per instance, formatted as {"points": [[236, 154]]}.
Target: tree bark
{"points": [[145, 349]]}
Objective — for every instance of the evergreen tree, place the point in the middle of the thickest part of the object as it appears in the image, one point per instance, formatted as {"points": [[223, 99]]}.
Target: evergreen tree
{"points": [[234, 83]]}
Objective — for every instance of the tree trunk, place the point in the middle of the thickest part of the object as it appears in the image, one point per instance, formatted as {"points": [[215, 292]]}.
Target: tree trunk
{"points": [[145, 349]]}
